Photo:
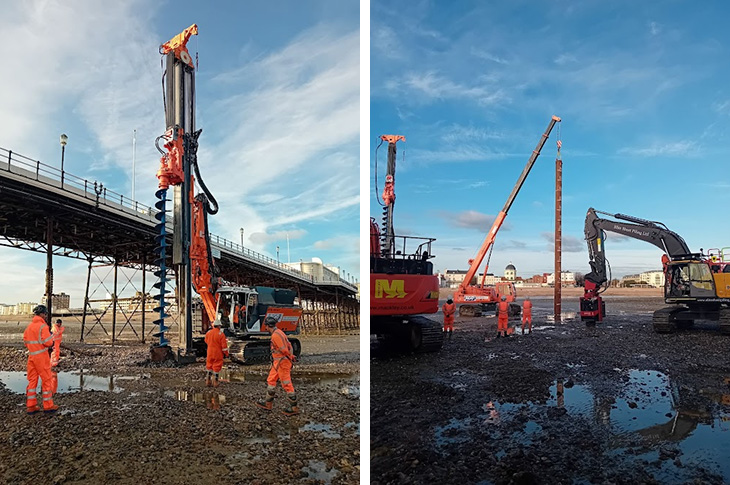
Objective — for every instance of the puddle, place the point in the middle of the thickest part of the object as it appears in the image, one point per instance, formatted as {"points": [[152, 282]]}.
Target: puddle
{"points": [[646, 414], [355, 425], [237, 375], [564, 316], [325, 430], [318, 471], [211, 399], [16, 381], [456, 431]]}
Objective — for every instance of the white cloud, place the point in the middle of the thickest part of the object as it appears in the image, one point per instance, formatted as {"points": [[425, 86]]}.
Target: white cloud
{"points": [[671, 149], [263, 238], [291, 134], [430, 86], [568, 243], [471, 219]]}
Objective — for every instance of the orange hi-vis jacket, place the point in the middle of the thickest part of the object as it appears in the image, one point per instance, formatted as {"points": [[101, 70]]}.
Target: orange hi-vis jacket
{"points": [[280, 346], [527, 307], [449, 310], [57, 339], [38, 339], [503, 308], [282, 355], [217, 344]]}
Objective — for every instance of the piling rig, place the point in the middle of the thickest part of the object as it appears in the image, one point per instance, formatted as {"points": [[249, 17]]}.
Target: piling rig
{"points": [[402, 283], [240, 309], [473, 299], [697, 286]]}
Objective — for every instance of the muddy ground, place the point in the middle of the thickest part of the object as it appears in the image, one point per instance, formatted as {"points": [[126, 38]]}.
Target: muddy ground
{"points": [[124, 420], [567, 404]]}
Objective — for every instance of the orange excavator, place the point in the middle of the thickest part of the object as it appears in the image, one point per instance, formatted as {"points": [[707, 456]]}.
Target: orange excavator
{"points": [[402, 284], [473, 299], [241, 310]]}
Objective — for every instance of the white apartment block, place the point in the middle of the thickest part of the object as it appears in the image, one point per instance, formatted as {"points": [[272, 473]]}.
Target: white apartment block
{"points": [[653, 278], [566, 278], [490, 280]]}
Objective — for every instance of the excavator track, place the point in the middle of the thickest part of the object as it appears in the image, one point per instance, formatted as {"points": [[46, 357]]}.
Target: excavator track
{"points": [[725, 321], [424, 335], [663, 320], [256, 351], [470, 311]]}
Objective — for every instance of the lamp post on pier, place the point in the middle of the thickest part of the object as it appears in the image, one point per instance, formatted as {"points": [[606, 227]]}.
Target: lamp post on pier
{"points": [[64, 140]]}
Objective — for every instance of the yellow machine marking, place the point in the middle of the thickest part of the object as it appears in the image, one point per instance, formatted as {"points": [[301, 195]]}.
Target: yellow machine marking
{"points": [[390, 289]]}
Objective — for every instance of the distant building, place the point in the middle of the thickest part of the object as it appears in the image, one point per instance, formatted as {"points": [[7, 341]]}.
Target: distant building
{"points": [[653, 278], [60, 301], [567, 278], [510, 272], [630, 279], [454, 277], [490, 279], [321, 272], [537, 279]]}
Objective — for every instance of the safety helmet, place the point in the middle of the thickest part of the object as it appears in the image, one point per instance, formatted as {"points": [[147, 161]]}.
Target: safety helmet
{"points": [[40, 310], [450, 297], [217, 322], [270, 322]]}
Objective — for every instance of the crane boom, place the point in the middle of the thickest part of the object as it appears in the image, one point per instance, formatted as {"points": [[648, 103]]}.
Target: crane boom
{"points": [[492, 234]]}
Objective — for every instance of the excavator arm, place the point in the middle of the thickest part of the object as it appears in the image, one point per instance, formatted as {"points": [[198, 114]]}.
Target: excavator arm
{"points": [[652, 232], [499, 220], [592, 308]]}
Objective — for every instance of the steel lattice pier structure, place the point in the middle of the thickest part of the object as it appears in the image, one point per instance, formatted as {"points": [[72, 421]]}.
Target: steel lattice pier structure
{"points": [[59, 214]]}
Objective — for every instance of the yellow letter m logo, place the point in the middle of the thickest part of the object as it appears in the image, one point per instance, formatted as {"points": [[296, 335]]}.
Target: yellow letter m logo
{"points": [[390, 289]]}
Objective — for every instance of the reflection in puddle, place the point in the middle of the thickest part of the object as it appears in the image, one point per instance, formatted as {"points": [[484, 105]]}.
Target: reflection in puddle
{"points": [[648, 419], [318, 471], [76, 381], [212, 399], [239, 375]]}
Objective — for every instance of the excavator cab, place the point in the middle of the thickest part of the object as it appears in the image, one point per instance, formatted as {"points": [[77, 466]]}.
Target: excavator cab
{"points": [[689, 280]]}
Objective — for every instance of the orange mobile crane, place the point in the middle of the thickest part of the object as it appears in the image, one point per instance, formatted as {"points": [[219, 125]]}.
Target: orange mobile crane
{"points": [[240, 309], [475, 298], [402, 283]]}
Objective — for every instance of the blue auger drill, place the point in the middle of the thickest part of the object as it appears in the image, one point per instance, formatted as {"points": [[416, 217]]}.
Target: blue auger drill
{"points": [[161, 262]]}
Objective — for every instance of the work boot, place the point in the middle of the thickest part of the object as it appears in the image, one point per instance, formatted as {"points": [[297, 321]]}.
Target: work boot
{"points": [[33, 410], [50, 410], [291, 408], [208, 382], [215, 381], [268, 404], [450, 332]]}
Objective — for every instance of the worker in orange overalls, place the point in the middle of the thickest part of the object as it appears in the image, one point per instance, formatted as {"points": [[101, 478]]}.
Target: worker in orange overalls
{"points": [[449, 310], [57, 332], [502, 317], [282, 359], [217, 344], [527, 315], [38, 339]]}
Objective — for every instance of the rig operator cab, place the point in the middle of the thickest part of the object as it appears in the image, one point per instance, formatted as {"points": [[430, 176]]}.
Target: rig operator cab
{"points": [[241, 311]]}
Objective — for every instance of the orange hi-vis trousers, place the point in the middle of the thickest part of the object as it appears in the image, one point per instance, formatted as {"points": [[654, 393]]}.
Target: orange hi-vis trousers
{"points": [[281, 371], [39, 366], [527, 318]]}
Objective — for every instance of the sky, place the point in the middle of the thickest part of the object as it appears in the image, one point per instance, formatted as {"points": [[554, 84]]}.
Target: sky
{"points": [[278, 97], [641, 88]]}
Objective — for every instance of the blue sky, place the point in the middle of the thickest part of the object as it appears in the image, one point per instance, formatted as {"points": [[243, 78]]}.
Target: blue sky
{"points": [[641, 88], [277, 99]]}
